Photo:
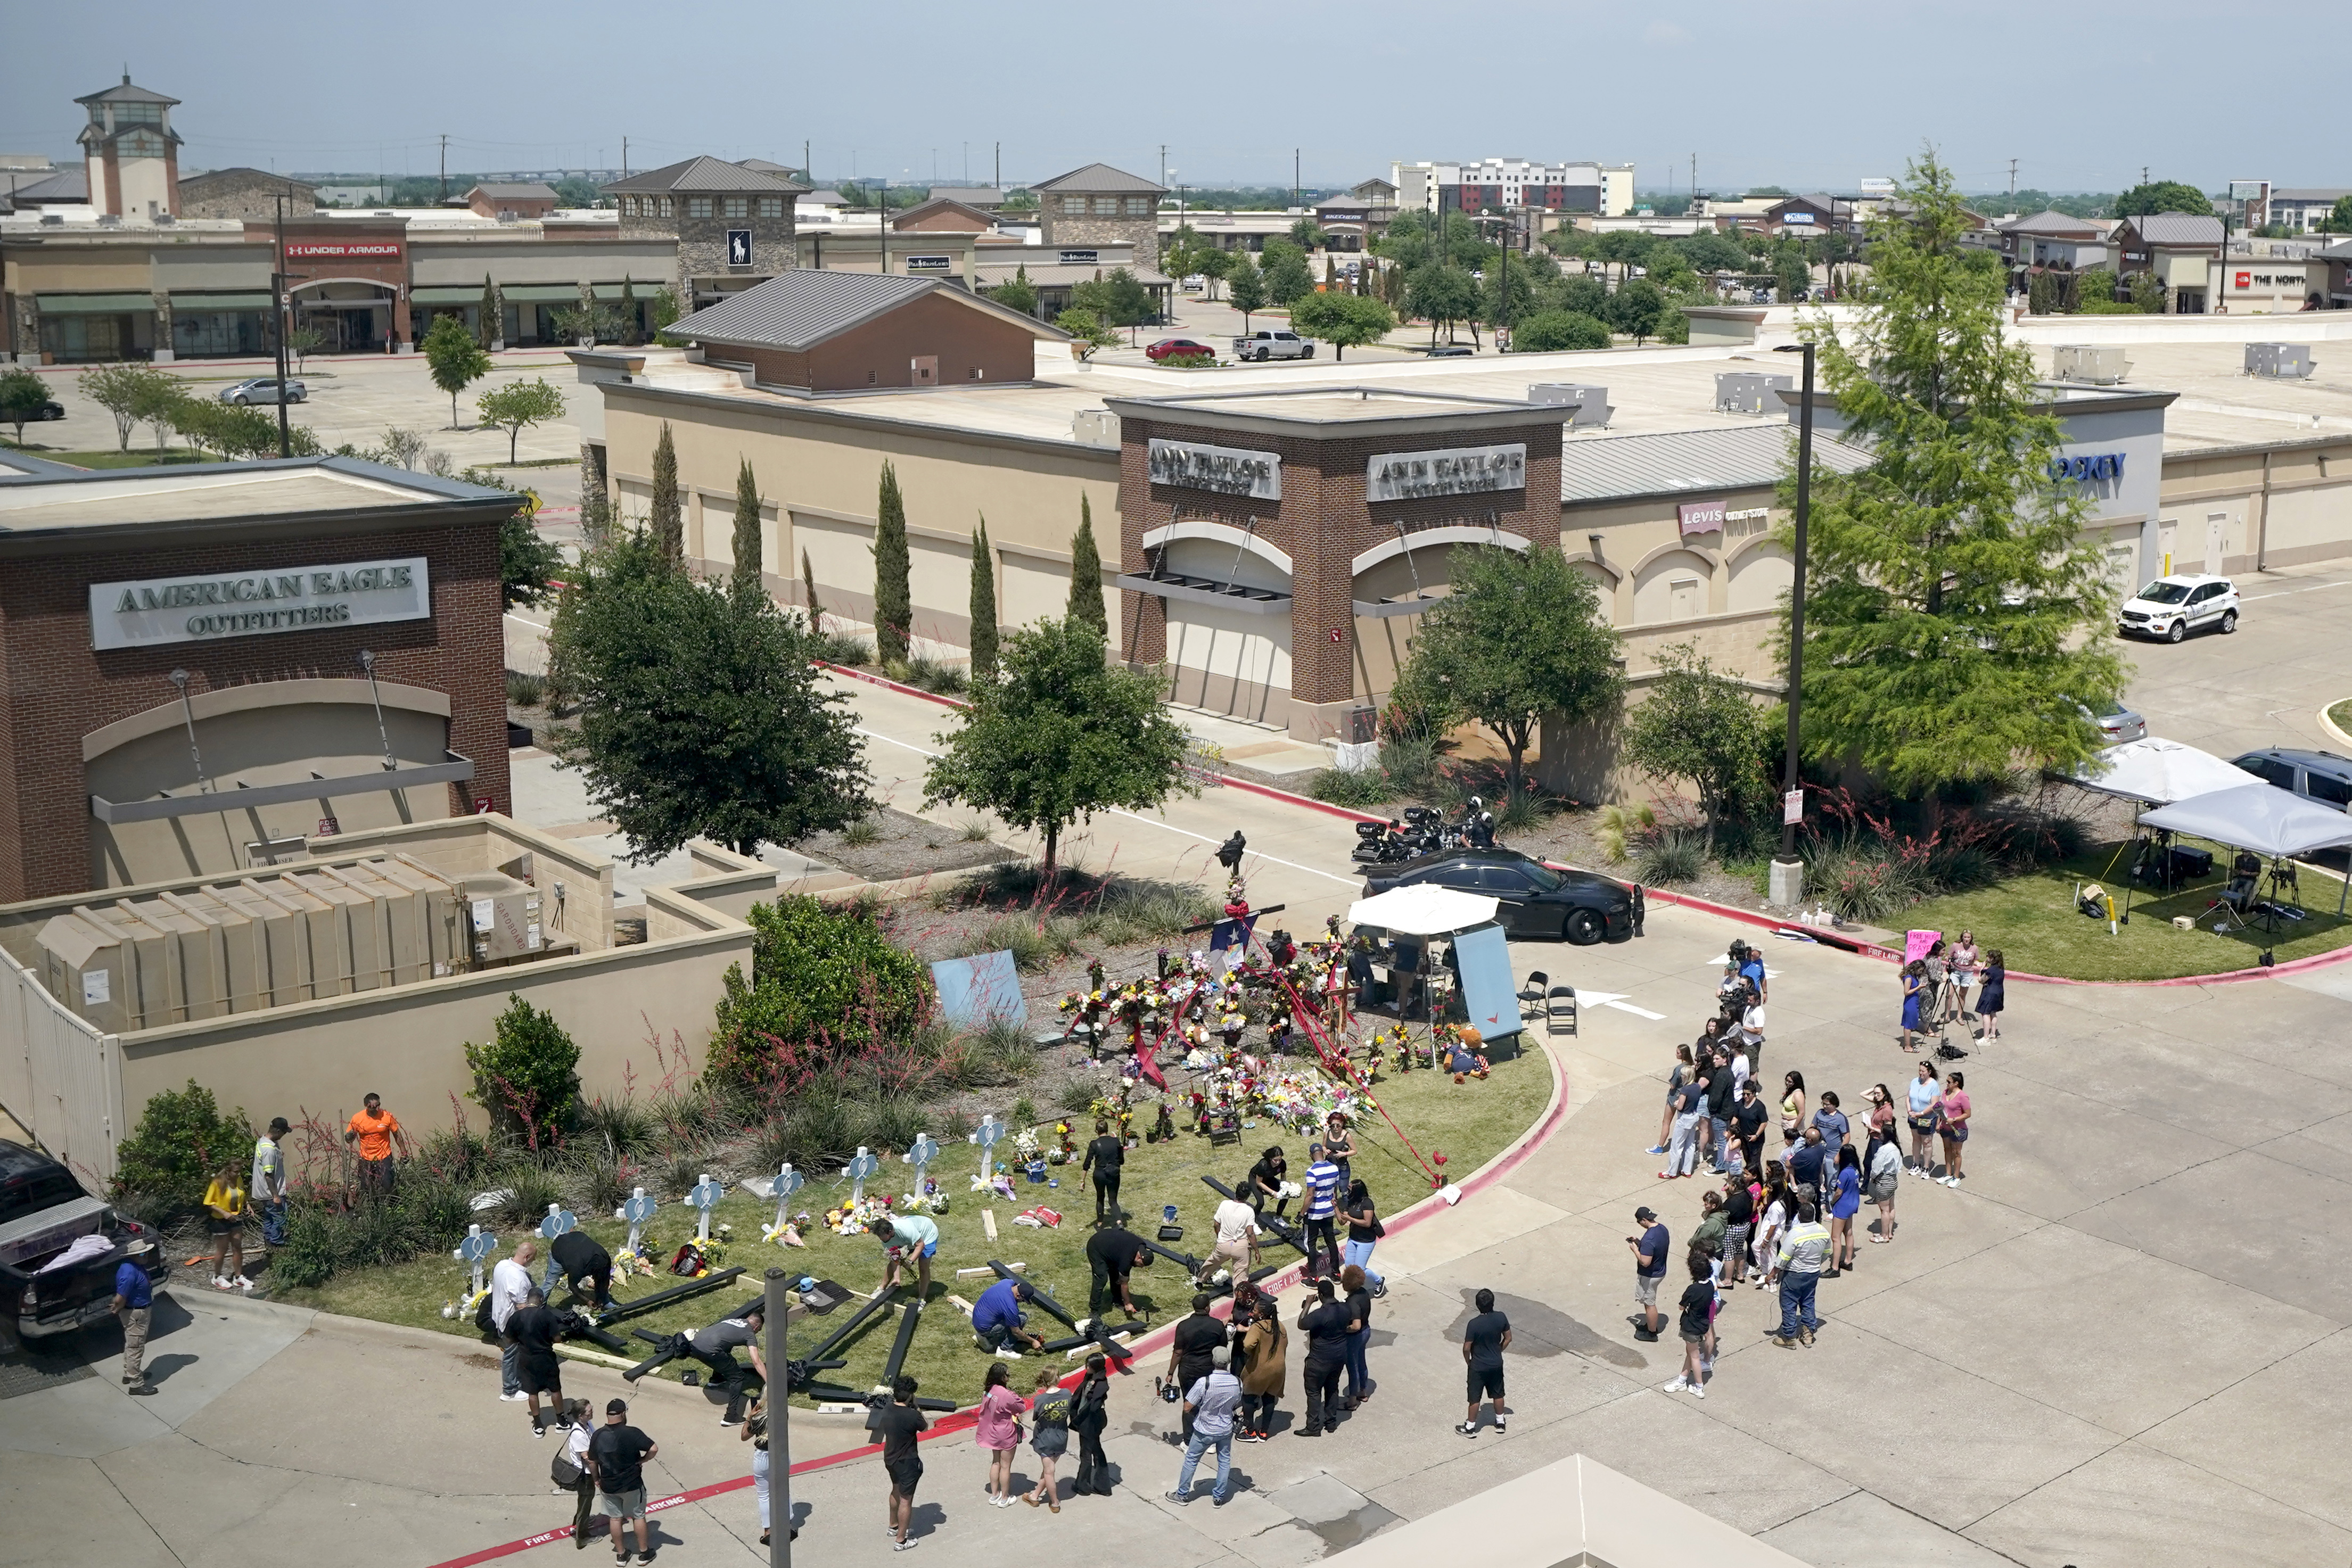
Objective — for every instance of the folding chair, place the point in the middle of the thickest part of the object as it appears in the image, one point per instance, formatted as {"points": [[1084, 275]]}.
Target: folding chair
{"points": [[1531, 995], [1559, 1010]]}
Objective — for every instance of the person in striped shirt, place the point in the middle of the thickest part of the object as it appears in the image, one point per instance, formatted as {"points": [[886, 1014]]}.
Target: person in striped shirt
{"points": [[1322, 1209]]}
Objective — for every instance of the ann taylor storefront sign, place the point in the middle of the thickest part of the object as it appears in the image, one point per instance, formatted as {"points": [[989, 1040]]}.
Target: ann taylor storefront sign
{"points": [[1458, 471], [203, 609], [1228, 470]]}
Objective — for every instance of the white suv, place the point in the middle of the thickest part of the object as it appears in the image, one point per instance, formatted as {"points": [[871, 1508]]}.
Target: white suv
{"points": [[2172, 607]]}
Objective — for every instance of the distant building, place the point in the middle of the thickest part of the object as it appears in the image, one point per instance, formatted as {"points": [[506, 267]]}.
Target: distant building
{"points": [[1351, 222], [987, 198], [130, 153], [734, 225], [2180, 249], [2049, 238], [248, 196], [1099, 203], [506, 200], [2303, 210], [1505, 184]]}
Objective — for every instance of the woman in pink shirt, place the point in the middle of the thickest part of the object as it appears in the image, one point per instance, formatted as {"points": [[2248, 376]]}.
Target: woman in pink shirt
{"points": [[1952, 1111], [998, 1431]]}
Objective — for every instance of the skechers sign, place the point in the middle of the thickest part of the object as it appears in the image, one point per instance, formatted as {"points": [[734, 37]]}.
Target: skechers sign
{"points": [[1459, 471], [1228, 470], [2103, 465], [205, 609]]}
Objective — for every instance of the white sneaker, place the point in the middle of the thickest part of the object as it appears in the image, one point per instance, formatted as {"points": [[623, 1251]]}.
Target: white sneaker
{"points": [[220, 1282], [245, 1284], [1677, 1385], [515, 1398], [1948, 1181], [1699, 1389], [1010, 1355]]}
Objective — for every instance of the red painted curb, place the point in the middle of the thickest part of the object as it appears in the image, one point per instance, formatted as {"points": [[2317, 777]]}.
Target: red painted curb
{"points": [[884, 682], [1309, 801], [1477, 1181]]}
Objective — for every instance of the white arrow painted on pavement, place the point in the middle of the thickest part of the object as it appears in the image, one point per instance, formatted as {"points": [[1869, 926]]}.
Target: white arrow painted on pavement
{"points": [[1616, 999]]}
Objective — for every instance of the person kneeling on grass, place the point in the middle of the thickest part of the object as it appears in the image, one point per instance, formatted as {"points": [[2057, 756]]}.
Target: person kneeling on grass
{"points": [[997, 1320]]}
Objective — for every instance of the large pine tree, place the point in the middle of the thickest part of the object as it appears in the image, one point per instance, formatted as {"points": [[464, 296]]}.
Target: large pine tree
{"points": [[1085, 573], [983, 605], [668, 519], [894, 594], [746, 578], [1955, 612]]}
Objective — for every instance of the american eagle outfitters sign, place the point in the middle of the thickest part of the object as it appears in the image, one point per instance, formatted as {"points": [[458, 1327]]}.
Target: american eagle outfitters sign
{"points": [[1228, 470], [246, 604], [1459, 471]]}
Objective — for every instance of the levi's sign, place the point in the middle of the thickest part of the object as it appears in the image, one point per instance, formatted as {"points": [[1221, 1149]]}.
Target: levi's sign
{"points": [[1228, 470], [1459, 471], [245, 605]]}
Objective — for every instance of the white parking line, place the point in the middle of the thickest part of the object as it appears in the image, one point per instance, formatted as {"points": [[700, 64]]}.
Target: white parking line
{"points": [[1147, 822], [2281, 593]]}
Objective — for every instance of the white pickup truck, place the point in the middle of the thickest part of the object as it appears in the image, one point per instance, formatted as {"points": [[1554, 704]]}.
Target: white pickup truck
{"points": [[1272, 345]]}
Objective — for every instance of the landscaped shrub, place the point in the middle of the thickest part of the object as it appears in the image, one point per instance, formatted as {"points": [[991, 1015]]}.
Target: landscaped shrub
{"points": [[182, 1139], [824, 984], [1350, 787], [1671, 856], [528, 1077]]}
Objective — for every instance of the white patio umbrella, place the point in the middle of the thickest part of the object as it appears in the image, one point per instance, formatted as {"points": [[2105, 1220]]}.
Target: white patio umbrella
{"points": [[1423, 909], [2158, 772]]}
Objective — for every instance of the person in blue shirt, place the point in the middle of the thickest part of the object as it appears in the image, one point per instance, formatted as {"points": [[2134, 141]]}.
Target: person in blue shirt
{"points": [[997, 1318], [1751, 967], [1322, 1208], [1649, 1251], [133, 1300]]}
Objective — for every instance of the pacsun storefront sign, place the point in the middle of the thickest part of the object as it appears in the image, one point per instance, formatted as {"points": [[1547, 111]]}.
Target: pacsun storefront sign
{"points": [[203, 609]]}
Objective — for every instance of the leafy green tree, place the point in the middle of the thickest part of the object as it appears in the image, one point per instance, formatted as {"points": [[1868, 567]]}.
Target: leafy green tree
{"points": [[746, 579], [1712, 252], [668, 520], [1288, 279], [1016, 293], [894, 593], [526, 562], [1343, 321], [1500, 308], [517, 406], [632, 331], [1305, 235], [158, 402], [1246, 287], [302, 342], [1550, 331], [983, 606], [1792, 272], [2147, 293], [702, 716], [2163, 196], [1579, 296], [1623, 249], [1085, 573], [232, 430], [454, 360], [825, 985], [528, 1077], [118, 388], [1091, 330], [182, 1139], [1636, 308], [1441, 295], [2338, 220], [1117, 300], [1213, 263], [1955, 609], [22, 395], [1701, 728], [1061, 735], [1519, 637], [1670, 269]]}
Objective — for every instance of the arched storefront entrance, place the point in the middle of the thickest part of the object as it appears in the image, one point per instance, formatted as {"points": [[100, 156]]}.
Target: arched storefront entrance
{"points": [[351, 315]]}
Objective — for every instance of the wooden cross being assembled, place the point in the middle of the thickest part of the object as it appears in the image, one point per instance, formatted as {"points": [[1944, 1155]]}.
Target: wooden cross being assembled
{"points": [[704, 1199], [991, 1132], [475, 1250], [919, 1155]]}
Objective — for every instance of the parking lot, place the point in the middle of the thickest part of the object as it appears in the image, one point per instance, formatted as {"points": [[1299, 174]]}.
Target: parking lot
{"points": [[2263, 684], [353, 399]]}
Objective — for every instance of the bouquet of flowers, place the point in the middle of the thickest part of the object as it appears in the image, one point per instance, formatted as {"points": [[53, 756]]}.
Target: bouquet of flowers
{"points": [[1025, 1145]]}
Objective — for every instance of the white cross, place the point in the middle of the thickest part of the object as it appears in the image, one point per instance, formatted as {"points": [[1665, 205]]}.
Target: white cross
{"points": [[704, 1197], [637, 1210], [919, 1155], [478, 1246], [788, 1182], [991, 1132], [862, 1164]]}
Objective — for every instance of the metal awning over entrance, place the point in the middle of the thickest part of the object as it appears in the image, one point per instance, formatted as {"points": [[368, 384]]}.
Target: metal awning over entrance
{"points": [[93, 304], [1207, 591], [452, 769]]}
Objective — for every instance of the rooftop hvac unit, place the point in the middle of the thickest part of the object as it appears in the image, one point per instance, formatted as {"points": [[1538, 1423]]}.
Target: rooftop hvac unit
{"points": [[1094, 427], [203, 955], [147, 984], [240, 983], [2283, 362], [81, 966], [448, 917], [504, 917], [1750, 392], [1589, 406], [2092, 364]]}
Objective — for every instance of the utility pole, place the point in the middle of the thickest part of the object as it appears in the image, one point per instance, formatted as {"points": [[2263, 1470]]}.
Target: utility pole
{"points": [[625, 157], [1000, 166], [2143, 173], [445, 168], [808, 167], [1788, 876], [1164, 165], [778, 1398], [1294, 176], [2012, 184], [278, 303]]}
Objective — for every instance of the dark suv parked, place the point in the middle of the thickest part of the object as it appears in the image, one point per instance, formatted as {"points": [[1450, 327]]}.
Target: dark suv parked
{"points": [[2321, 778]]}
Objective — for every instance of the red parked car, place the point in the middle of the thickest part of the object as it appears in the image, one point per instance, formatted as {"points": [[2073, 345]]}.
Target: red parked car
{"points": [[1167, 346]]}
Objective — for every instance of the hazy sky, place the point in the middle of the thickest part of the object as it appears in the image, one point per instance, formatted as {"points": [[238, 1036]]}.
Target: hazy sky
{"points": [[2081, 94]]}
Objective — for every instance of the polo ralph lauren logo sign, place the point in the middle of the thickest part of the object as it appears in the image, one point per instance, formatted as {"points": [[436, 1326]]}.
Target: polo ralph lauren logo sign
{"points": [[1227, 470], [202, 609], [1458, 471]]}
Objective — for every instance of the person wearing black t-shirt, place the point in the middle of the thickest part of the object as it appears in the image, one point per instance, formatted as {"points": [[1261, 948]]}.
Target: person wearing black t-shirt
{"points": [[616, 1459], [1326, 1326], [1360, 1312], [1748, 1115], [1105, 1159], [582, 1261], [1111, 1253], [1265, 1179], [897, 1423], [534, 1328], [1483, 1340], [1188, 1354], [1719, 1086], [1089, 1413], [1698, 1317], [1739, 1225]]}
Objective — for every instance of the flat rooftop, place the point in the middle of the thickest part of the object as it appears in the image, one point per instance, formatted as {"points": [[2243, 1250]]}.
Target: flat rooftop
{"points": [[132, 497]]}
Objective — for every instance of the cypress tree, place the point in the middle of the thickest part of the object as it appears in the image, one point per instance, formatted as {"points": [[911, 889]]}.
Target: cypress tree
{"points": [[493, 326], [746, 579], [669, 519], [1085, 573], [983, 606], [808, 591], [894, 593]]}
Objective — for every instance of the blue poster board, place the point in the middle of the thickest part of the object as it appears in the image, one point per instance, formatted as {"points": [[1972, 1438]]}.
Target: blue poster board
{"points": [[979, 990], [1489, 997]]}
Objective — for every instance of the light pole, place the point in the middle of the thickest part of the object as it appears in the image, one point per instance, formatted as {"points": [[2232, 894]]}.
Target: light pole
{"points": [[1788, 876], [778, 1397]]}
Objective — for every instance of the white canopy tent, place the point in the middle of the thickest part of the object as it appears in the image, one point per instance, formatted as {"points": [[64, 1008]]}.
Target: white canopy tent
{"points": [[1423, 909], [2258, 817], [2158, 772]]}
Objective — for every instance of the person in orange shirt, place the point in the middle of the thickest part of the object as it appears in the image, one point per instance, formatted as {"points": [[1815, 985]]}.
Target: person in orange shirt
{"points": [[376, 1131]]}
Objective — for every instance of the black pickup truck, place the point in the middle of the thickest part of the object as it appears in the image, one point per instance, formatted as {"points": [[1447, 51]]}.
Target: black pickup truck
{"points": [[44, 1216]]}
